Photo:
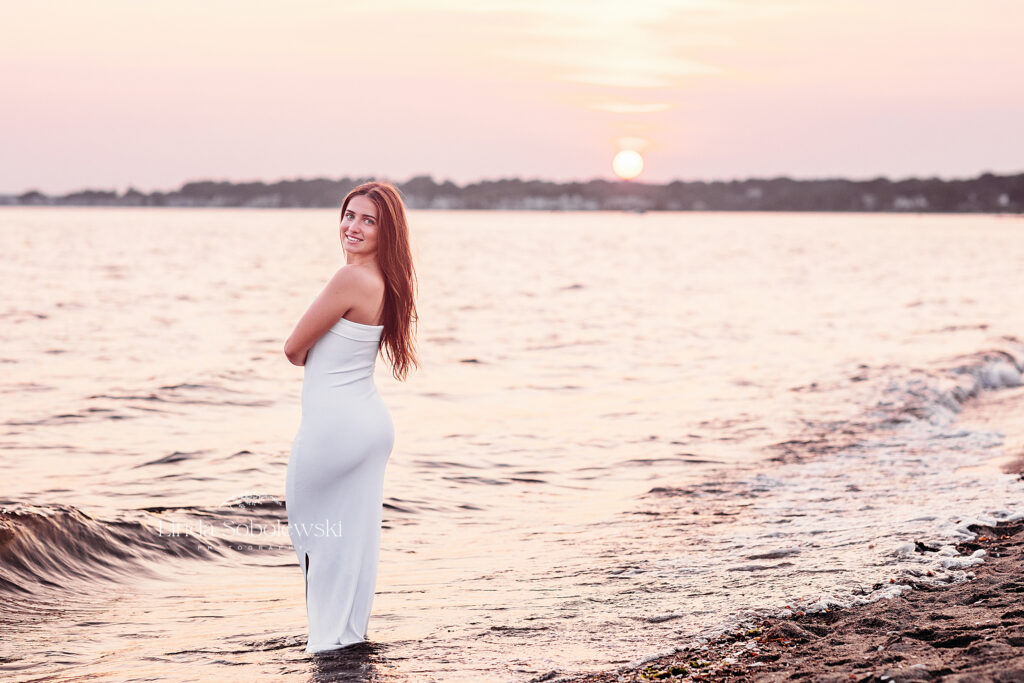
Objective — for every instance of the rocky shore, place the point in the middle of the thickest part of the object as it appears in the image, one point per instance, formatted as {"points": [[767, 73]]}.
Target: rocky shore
{"points": [[970, 631]]}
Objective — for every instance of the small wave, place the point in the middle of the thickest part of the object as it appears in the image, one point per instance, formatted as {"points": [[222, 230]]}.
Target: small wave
{"points": [[22, 387], [477, 480], [176, 456], [930, 399], [53, 546], [775, 554], [154, 397], [937, 398], [64, 418], [758, 567], [256, 500], [929, 566]]}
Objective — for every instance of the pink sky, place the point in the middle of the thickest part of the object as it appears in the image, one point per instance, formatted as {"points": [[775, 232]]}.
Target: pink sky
{"points": [[117, 93]]}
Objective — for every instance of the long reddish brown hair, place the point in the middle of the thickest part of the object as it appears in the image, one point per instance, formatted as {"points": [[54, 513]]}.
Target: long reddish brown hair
{"points": [[394, 256]]}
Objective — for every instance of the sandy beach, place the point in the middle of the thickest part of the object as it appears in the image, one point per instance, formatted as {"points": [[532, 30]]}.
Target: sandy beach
{"points": [[969, 631]]}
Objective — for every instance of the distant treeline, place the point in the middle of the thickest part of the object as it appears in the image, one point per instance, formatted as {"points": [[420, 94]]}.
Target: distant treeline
{"points": [[987, 193]]}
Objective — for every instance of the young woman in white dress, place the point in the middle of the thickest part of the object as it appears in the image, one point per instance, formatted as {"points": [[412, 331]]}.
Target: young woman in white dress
{"points": [[334, 484]]}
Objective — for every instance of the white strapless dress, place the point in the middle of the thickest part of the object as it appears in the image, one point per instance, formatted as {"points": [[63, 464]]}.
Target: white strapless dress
{"points": [[334, 490]]}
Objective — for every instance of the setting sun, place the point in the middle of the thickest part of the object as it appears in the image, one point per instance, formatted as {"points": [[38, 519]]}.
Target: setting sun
{"points": [[628, 164]]}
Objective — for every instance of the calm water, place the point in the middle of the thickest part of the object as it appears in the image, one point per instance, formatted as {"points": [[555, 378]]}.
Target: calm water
{"points": [[629, 431]]}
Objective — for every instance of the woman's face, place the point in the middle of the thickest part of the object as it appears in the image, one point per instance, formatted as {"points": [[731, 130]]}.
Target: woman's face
{"points": [[359, 226]]}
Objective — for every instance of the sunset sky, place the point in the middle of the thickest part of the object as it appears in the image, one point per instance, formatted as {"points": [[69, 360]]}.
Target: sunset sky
{"points": [[108, 94]]}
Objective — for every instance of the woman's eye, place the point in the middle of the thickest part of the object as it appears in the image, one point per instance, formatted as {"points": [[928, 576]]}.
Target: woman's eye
{"points": [[369, 221]]}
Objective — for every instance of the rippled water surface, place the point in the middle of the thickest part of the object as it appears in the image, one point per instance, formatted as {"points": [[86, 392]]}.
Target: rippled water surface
{"points": [[629, 430]]}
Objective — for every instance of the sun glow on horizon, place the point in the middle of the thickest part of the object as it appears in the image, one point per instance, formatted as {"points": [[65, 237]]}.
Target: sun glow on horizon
{"points": [[628, 164]]}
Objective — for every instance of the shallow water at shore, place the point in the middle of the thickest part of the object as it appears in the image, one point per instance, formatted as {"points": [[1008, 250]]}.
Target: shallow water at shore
{"points": [[583, 472]]}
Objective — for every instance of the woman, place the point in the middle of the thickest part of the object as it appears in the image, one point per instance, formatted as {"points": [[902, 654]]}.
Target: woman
{"points": [[334, 488]]}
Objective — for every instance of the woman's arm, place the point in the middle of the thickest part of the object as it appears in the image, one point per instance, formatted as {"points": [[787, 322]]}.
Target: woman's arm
{"points": [[334, 301]]}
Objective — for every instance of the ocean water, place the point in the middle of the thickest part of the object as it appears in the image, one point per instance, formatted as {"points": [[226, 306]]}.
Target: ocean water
{"points": [[629, 431]]}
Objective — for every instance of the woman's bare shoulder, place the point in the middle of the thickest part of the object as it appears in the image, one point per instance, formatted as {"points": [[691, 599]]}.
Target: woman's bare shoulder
{"points": [[363, 276]]}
